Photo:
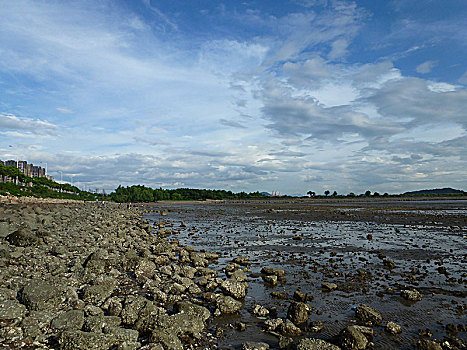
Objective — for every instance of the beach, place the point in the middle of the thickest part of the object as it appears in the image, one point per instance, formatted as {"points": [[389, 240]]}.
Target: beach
{"points": [[302, 274]]}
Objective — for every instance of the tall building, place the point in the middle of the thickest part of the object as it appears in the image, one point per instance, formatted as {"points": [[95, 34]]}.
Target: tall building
{"points": [[30, 170], [11, 163]]}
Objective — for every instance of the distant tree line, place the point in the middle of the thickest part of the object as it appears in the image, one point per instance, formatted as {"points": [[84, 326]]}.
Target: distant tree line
{"points": [[140, 193]]}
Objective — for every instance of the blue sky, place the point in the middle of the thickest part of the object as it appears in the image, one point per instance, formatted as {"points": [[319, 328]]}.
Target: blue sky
{"points": [[285, 96]]}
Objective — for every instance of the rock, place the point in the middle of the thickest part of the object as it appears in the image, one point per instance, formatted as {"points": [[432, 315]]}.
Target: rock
{"points": [[270, 271], [79, 340], [424, 344], [270, 279], [298, 312], [300, 296], [329, 286], [261, 311], [285, 342], [368, 315], [271, 325], [100, 291], [393, 328], [350, 338], [96, 324], [238, 275], [280, 295], [389, 264], [122, 334], [40, 295], [243, 261], [167, 339], [23, 238], [411, 295], [11, 312], [240, 326], [298, 238], [315, 326], [289, 329], [145, 268], [73, 319], [228, 305], [233, 288], [255, 346], [315, 344]]}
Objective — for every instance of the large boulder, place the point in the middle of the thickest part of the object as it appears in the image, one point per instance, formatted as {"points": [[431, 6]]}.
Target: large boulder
{"points": [[234, 288], [72, 319], [42, 295], [23, 238], [228, 305], [298, 312]]}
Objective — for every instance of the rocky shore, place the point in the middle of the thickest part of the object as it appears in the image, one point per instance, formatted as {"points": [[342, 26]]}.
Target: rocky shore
{"points": [[88, 276]]}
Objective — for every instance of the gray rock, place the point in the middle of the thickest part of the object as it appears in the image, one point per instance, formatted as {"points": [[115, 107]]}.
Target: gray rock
{"points": [[23, 238], [270, 279], [96, 324], [315, 326], [270, 271], [167, 339], [350, 338], [285, 342], [368, 315], [11, 312], [424, 344], [233, 288], [315, 344], [122, 334], [73, 319], [411, 295], [329, 286], [242, 260], [228, 305], [289, 329], [79, 340], [273, 324], [260, 310], [41, 295], [255, 346], [238, 275], [393, 328], [298, 312], [100, 291]]}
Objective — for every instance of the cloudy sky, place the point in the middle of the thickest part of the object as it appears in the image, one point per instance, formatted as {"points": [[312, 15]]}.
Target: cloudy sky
{"points": [[285, 96]]}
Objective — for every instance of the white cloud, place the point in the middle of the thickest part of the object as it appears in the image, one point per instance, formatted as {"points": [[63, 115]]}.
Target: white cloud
{"points": [[34, 126], [426, 67]]}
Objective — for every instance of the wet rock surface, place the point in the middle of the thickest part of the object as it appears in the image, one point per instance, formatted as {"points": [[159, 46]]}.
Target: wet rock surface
{"points": [[232, 275]]}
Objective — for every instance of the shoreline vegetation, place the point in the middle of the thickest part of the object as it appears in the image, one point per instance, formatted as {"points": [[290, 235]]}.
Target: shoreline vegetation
{"points": [[15, 184]]}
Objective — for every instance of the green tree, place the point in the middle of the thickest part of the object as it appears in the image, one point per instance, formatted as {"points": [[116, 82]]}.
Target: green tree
{"points": [[327, 192]]}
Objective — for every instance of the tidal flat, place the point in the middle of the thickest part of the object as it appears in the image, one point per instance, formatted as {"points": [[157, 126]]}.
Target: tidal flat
{"points": [[340, 254], [295, 274]]}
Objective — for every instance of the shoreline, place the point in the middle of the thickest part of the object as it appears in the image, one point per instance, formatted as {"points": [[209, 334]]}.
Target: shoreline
{"points": [[77, 276]]}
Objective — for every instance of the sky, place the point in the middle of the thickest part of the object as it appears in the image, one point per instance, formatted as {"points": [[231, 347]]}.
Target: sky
{"points": [[285, 96]]}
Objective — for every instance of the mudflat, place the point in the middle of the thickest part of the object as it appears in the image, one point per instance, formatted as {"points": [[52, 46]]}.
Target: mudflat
{"points": [[304, 274]]}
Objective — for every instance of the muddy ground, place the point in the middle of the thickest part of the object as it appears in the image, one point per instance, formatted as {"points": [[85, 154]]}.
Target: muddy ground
{"points": [[372, 250]]}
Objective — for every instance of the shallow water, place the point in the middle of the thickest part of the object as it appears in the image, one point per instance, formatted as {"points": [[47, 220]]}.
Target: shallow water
{"points": [[334, 251]]}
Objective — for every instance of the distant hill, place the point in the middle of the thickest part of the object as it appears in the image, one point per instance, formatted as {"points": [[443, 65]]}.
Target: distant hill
{"points": [[436, 191], [266, 194]]}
